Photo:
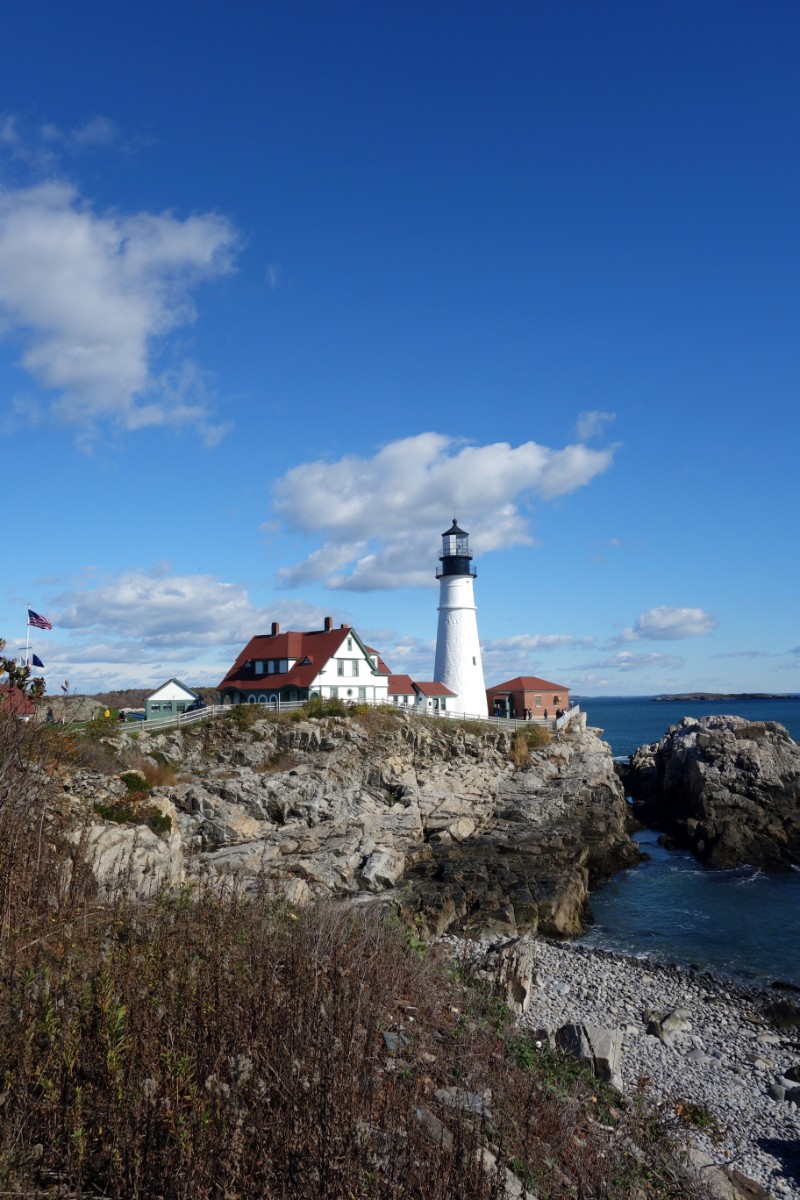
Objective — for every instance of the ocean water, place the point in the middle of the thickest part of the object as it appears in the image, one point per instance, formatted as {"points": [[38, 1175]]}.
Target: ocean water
{"points": [[744, 923]]}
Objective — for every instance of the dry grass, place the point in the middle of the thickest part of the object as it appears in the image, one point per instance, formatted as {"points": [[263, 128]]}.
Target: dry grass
{"points": [[215, 1047], [207, 1046], [533, 738]]}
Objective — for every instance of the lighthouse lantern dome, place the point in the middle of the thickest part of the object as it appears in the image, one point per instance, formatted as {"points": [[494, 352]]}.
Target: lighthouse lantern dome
{"points": [[455, 541], [456, 555]]}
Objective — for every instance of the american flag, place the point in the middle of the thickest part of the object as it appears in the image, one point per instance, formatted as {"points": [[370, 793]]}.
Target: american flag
{"points": [[40, 622]]}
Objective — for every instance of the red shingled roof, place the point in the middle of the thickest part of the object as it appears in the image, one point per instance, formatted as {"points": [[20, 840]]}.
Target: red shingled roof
{"points": [[433, 689], [528, 683], [318, 646], [400, 685], [382, 667]]}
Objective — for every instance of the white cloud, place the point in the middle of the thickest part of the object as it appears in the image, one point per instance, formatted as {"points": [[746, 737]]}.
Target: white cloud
{"points": [[153, 609], [592, 424], [274, 272], [535, 642], [91, 296], [381, 515], [626, 660], [144, 626], [670, 624]]}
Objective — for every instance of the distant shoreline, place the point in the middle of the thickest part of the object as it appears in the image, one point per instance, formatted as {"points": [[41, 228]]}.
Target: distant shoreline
{"points": [[694, 696]]}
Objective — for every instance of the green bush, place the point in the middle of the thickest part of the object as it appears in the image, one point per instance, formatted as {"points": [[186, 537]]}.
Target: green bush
{"points": [[134, 782], [317, 707], [135, 811]]}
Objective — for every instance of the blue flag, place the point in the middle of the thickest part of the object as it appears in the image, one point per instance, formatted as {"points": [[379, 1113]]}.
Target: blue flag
{"points": [[37, 662]]}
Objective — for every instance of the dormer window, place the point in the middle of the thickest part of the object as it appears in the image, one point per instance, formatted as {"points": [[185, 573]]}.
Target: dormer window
{"points": [[271, 666]]}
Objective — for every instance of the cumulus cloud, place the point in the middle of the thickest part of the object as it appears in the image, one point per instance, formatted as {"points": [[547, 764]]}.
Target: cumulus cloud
{"points": [[154, 609], [146, 625], [91, 296], [381, 515], [670, 624], [591, 424]]}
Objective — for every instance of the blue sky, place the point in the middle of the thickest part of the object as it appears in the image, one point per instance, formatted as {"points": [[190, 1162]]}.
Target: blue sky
{"points": [[284, 286]]}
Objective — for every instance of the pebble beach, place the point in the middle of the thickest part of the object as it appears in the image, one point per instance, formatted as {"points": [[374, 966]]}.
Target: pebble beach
{"points": [[719, 1051]]}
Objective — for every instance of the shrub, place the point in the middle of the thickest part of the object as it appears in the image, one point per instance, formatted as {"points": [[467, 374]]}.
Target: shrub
{"points": [[317, 707], [243, 716], [134, 781], [135, 810]]}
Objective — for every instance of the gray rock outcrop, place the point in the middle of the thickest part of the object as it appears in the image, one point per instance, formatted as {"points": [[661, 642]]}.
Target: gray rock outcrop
{"points": [[727, 788], [432, 811]]}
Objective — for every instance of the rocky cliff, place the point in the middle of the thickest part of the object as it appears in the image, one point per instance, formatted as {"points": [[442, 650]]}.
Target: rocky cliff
{"points": [[432, 811], [725, 787]]}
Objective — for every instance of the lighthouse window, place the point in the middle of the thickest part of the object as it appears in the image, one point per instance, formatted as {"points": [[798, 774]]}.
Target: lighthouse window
{"points": [[474, 661]]}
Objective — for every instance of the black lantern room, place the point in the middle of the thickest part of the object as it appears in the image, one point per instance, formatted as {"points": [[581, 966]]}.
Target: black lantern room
{"points": [[455, 558]]}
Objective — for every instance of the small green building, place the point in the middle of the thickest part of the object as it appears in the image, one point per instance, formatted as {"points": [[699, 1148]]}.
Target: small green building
{"points": [[172, 698]]}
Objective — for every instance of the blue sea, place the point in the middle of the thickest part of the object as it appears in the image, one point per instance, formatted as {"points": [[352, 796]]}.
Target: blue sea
{"points": [[744, 923]]}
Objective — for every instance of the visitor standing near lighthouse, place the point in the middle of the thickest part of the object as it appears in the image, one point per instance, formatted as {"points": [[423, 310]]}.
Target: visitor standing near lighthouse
{"points": [[458, 652]]}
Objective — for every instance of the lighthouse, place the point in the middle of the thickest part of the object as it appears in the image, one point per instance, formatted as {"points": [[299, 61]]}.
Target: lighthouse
{"points": [[458, 652]]}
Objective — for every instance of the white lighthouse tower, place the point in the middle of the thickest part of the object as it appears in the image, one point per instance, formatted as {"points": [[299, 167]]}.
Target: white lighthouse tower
{"points": [[458, 652]]}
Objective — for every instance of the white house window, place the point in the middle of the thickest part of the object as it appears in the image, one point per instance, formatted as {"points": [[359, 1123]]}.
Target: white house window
{"points": [[349, 643], [354, 666], [443, 702], [340, 666], [362, 693], [334, 693]]}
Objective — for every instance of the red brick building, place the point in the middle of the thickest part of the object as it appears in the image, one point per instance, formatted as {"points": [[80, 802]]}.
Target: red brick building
{"points": [[516, 696]]}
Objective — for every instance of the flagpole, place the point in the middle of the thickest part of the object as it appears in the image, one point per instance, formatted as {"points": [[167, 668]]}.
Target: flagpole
{"points": [[27, 633]]}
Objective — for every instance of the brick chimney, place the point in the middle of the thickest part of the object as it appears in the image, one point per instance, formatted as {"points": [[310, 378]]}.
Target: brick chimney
{"points": [[275, 628], [328, 624]]}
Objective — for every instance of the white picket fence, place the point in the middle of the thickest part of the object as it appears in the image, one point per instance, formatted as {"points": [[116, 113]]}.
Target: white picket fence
{"points": [[161, 724]]}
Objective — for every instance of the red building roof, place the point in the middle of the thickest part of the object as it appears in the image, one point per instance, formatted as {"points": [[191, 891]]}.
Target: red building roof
{"points": [[15, 700], [528, 683], [400, 685], [311, 650], [433, 689]]}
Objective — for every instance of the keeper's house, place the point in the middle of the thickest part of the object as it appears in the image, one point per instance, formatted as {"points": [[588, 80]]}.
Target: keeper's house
{"points": [[277, 668], [516, 696]]}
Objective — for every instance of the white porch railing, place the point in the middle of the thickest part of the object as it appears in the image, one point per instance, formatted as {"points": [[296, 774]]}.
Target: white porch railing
{"points": [[162, 724]]}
